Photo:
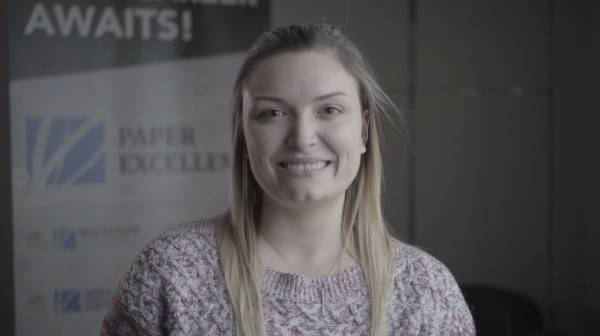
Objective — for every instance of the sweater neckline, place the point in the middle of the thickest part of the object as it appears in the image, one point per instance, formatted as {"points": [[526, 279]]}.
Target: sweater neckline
{"points": [[345, 282], [298, 287]]}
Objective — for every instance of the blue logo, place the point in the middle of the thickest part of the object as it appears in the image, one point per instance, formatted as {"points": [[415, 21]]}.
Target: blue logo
{"points": [[67, 301], [65, 151], [65, 239]]}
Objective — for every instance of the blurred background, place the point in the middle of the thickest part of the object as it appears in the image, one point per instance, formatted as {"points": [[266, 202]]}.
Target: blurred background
{"points": [[493, 174]]}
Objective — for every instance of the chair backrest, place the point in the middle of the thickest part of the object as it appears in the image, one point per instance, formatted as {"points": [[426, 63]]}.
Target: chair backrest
{"points": [[500, 312]]}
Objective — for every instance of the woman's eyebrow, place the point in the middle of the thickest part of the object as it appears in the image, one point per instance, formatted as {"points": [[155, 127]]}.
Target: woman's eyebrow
{"points": [[329, 95], [270, 98], [280, 100]]}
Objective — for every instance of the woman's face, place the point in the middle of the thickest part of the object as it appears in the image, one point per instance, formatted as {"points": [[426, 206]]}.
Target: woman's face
{"points": [[304, 127]]}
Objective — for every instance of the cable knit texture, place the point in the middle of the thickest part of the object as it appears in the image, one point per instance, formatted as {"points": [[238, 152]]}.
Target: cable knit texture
{"points": [[176, 287]]}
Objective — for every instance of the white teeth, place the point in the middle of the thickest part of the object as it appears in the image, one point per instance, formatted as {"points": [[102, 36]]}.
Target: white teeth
{"points": [[305, 166]]}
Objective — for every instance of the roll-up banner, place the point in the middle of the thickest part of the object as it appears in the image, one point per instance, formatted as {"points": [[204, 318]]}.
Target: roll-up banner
{"points": [[119, 116]]}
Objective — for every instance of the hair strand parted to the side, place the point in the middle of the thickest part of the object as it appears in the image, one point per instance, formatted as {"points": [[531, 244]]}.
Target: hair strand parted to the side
{"points": [[364, 232]]}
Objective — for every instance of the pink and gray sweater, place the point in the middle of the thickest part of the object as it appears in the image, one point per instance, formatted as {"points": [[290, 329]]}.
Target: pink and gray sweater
{"points": [[176, 287]]}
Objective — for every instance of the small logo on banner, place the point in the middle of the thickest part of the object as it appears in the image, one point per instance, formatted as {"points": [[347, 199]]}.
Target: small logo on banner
{"points": [[37, 304], [65, 239], [65, 151], [67, 301], [35, 241], [74, 300]]}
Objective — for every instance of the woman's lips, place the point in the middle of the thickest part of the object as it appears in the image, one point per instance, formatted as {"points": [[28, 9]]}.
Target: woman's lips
{"points": [[304, 166]]}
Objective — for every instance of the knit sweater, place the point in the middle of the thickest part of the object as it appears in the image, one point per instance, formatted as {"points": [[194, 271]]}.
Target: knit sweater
{"points": [[176, 287]]}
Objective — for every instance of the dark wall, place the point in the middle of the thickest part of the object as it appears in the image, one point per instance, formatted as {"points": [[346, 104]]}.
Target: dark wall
{"points": [[569, 251], [6, 237], [576, 251], [593, 164], [484, 139]]}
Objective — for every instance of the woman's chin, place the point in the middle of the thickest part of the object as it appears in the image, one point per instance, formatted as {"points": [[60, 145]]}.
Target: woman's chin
{"points": [[303, 198], [309, 199]]}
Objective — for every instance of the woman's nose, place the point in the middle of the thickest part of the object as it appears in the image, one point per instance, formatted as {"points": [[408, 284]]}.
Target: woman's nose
{"points": [[302, 133]]}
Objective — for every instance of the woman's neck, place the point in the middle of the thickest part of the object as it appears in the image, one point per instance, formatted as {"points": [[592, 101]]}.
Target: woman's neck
{"points": [[303, 239]]}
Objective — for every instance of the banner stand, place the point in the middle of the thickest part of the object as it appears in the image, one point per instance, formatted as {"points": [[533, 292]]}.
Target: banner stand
{"points": [[118, 133]]}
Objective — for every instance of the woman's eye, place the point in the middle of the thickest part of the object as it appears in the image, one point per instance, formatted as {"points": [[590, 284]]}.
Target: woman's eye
{"points": [[270, 113], [331, 110]]}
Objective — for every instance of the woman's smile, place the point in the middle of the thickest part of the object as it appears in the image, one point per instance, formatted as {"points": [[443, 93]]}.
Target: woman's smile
{"points": [[305, 168]]}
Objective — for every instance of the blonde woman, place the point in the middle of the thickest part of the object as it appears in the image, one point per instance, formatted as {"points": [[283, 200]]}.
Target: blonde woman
{"points": [[304, 249]]}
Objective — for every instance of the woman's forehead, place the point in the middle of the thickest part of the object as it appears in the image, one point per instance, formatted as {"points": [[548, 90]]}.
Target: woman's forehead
{"points": [[311, 73]]}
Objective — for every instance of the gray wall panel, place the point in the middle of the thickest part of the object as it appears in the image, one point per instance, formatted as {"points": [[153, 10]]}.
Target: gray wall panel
{"points": [[472, 43], [482, 188], [397, 158], [379, 28]]}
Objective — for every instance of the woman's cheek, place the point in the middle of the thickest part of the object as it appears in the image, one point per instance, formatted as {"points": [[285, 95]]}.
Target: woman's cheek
{"points": [[351, 160]]}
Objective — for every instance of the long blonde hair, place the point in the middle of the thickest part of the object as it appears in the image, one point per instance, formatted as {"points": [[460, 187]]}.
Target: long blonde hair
{"points": [[365, 235]]}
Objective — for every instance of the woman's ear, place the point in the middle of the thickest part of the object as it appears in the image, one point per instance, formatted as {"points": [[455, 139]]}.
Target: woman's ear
{"points": [[365, 129]]}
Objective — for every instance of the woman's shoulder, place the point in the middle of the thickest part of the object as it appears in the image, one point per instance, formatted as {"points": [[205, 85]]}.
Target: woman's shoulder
{"points": [[186, 236], [186, 244], [187, 251], [426, 282], [413, 261], [420, 269], [166, 271]]}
